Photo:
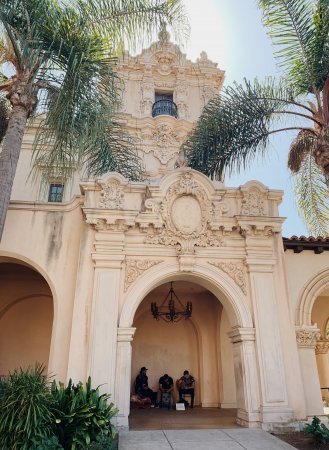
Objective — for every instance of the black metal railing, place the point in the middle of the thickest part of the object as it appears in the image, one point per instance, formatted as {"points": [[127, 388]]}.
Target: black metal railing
{"points": [[164, 108]]}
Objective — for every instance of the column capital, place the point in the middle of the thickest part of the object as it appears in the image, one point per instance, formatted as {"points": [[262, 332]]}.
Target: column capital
{"points": [[241, 334], [322, 347], [126, 334], [307, 336]]}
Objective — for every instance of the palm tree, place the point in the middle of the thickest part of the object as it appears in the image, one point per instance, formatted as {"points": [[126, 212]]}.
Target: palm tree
{"points": [[62, 55], [237, 125]]}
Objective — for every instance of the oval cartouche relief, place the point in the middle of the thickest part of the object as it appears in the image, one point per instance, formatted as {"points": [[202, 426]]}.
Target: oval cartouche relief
{"points": [[186, 214]]}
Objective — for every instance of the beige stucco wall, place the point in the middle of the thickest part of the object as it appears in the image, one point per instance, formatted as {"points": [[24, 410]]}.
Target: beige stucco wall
{"points": [[48, 238]]}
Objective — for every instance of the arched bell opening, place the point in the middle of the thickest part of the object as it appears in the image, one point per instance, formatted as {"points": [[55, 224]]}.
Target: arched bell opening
{"points": [[26, 316]]}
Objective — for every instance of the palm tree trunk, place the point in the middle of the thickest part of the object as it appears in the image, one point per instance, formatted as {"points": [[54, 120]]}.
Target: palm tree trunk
{"points": [[9, 158]]}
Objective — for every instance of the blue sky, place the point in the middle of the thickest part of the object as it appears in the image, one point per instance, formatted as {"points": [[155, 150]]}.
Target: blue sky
{"points": [[231, 33]]}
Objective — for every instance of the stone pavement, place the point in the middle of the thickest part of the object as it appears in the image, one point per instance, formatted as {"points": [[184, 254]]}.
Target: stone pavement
{"points": [[229, 439]]}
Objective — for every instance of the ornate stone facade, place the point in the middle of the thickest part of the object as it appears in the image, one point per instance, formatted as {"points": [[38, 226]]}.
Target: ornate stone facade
{"points": [[235, 270], [135, 267]]}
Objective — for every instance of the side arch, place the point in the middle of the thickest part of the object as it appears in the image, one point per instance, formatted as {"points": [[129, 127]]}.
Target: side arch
{"points": [[17, 258], [214, 280], [310, 291]]}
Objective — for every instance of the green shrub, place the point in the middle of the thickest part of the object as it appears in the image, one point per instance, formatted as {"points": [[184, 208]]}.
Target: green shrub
{"points": [[25, 413], [50, 443], [318, 430], [82, 414], [103, 443]]}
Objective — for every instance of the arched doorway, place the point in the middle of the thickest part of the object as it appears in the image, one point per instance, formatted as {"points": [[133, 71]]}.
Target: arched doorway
{"points": [[26, 316], [312, 315], [242, 337], [199, 344]]}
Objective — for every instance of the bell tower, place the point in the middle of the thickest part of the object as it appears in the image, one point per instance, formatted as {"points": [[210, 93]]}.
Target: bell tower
{"points": [[163, 96]]}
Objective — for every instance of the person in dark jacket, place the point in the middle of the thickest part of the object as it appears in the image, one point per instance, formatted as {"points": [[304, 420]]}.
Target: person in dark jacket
{"points": [[142, 387]]}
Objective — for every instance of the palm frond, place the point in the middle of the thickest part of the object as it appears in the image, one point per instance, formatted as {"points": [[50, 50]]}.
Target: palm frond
{"points": [[131, 22], [303, 145], [299, 30], [4, 116], [312, 197], [236, 125]]}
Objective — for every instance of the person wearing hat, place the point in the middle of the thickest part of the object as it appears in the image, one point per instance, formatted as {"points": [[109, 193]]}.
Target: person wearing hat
{"points": [[142, 387]]}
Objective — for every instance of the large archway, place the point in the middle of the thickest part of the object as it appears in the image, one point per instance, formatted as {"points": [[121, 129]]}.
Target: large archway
{"points": [[199, 344], [226, 295], [26, 316]]}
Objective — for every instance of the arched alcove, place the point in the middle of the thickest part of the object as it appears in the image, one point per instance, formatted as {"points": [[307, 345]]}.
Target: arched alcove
{"points": [[26, 316], [196, 344]]}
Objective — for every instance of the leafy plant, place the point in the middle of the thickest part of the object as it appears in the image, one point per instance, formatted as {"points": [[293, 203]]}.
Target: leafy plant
{"points": [[318, 430], [50, 443], [25, 413], [82, 414], [103, 443]]}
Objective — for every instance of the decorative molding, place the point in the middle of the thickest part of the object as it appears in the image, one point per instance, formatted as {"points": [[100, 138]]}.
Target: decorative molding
{"points": [[242, 334], [253, 203], [186, 212], [322, 347], [235, 270], [112, 196], [307, 337], [135, 267]]}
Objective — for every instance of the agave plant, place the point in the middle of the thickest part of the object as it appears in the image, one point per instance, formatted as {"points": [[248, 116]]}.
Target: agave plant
{"points": [[237, 125], [25, 413], [82, 414]]}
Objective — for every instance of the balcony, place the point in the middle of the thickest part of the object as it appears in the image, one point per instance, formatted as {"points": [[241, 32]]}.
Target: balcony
{"points": [[164, 107]]}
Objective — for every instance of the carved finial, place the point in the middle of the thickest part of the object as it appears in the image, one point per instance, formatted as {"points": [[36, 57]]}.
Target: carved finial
{"points": [[163, 35], [203, 56]]}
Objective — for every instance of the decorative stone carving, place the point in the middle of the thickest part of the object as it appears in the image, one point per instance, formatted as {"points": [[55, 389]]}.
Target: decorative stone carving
{"points": [[322, 347], [253, 203], [203, 61], [185, 212], [147, 101], [307, 336], [166, 141], [135, 267], [208, 93], [254, 230], [165, 154], [235, 270], [165, 60], [164, 135], [112, 196]]}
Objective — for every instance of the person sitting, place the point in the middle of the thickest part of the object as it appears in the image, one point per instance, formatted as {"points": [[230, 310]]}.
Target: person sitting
{"points": [[142, 387], [186, 386], [166, 385]]}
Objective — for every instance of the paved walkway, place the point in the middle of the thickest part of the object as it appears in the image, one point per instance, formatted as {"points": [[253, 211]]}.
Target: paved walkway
{"points": [[228, 439]]}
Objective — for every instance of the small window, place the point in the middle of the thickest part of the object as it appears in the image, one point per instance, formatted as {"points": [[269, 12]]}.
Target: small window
{"points": [[56, 191], [159, 96], [164, 105]]}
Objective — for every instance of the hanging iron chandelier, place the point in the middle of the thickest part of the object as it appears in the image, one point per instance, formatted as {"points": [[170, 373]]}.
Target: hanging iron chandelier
{"points": [[167, 310]]}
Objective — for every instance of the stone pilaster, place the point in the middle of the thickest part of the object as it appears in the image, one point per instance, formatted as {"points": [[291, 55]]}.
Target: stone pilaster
{"points": [[123, 375], [322, 360], [104, 318], [246, 376], [273, 393], [307, 337]]}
